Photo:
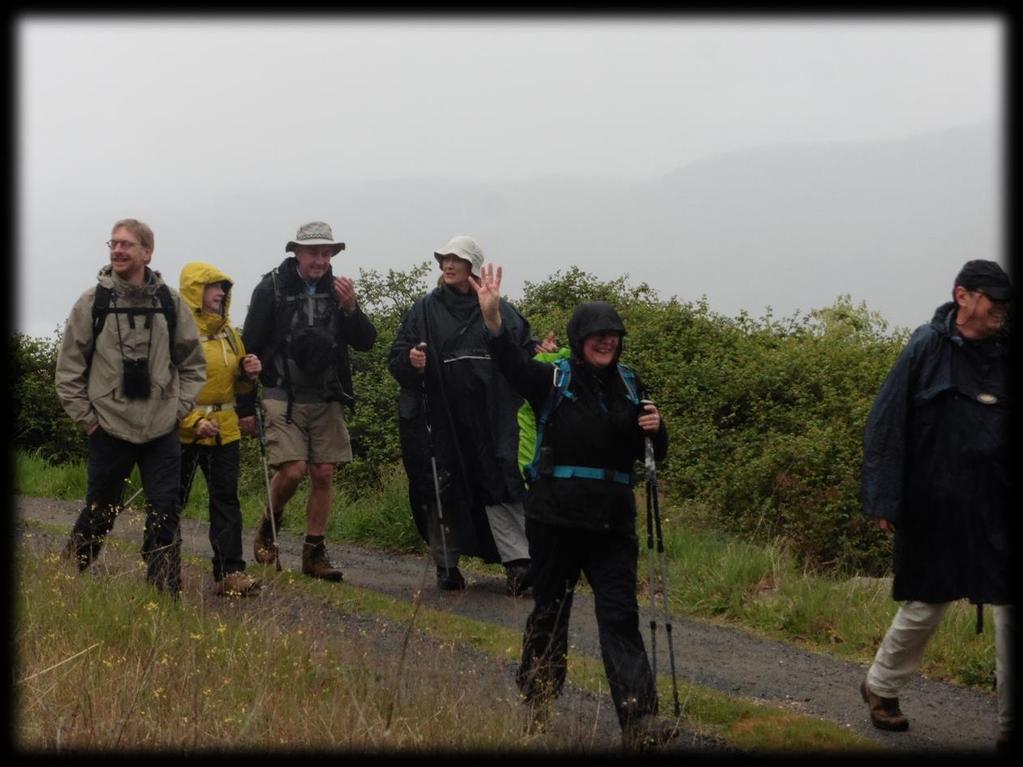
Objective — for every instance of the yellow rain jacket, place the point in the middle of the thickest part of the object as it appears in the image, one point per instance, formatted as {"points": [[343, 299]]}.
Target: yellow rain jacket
{"points": [[222, 344]]}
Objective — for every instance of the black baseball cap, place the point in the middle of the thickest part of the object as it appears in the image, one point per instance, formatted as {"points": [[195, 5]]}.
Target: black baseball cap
{"points": [[987, 277]]}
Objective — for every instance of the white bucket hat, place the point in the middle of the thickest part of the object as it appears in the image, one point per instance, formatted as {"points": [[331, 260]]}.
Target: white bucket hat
{"points": [[465, 248], [314, 233]]}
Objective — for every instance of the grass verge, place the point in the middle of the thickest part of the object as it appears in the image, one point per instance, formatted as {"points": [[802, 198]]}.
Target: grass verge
{"points": [[711, 576]]}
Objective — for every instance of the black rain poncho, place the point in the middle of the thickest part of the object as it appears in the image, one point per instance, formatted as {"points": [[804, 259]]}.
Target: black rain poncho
{"points": [[936, 464], [473, 414]]}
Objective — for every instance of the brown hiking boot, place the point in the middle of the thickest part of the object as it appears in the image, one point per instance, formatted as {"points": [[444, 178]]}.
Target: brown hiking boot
{"points": [[538, 716], [237, 584], [884, 712], [316, 563], [264, 550], [648, 731]]}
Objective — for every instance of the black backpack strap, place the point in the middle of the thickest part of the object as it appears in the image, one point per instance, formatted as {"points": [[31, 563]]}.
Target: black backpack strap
{"points": [[100, 309], [279, 342], [169, 312]]}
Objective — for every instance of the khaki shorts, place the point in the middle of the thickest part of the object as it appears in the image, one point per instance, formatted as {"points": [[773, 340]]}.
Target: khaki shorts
{"points": [[317, 433]]}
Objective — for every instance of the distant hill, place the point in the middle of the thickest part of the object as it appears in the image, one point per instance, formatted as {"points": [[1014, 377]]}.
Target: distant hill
{"points": [[791, 226]]}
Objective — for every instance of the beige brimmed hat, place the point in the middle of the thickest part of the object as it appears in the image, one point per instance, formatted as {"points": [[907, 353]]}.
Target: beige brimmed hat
{"points": [[465, 248], [314, 233]]}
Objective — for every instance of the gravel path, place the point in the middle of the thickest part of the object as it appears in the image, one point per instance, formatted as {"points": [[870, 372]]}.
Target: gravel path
{"points": [[944, 717]]}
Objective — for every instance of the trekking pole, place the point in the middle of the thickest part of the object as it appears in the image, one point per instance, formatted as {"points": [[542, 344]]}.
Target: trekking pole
{"points": [[651, 579], [187, 490], [266, 478], [134, 495], [653, 510], [421, 346]]}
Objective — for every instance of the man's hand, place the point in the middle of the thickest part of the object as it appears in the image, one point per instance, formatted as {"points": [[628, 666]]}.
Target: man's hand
{"points": [[344, 289], [884, 524], [417, 356], [247, 425]]}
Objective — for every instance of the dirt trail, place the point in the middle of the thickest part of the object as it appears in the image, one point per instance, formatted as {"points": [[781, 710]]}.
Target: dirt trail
{"points": [[944, 717]]}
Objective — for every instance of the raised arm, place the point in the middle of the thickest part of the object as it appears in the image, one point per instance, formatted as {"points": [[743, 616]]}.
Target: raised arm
{"points": [[488, 290]]}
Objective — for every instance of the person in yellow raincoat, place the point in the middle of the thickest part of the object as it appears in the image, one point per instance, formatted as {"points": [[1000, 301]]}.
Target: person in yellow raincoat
{"points": [[211, 432]]}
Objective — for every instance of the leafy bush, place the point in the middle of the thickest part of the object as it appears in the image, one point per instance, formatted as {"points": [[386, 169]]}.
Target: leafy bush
{"points": [[40, 424], [765, 416]]}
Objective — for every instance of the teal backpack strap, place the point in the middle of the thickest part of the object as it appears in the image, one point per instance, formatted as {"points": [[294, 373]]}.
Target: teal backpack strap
{"points": [[628, 377], [562, 376]]}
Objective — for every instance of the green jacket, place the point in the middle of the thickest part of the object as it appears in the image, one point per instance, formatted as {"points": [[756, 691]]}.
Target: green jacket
{"points": [[526, 416], [89, 375]]}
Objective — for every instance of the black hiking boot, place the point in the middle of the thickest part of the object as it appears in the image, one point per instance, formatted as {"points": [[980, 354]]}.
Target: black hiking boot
{"points": [[647, 732], [450, 579], [519, 577]]}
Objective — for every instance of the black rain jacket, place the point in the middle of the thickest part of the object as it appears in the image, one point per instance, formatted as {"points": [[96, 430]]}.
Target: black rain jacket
{"points": [[262, 332], [597, 428], [936, 464], [472, 414]]}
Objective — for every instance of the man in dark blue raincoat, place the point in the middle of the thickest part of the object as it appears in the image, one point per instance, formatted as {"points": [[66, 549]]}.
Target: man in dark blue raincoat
{"points": [[936, 471]]}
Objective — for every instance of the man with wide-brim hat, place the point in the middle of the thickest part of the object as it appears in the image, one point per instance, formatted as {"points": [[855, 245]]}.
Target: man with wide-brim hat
{"points": [[314, 233], [301, 321]]}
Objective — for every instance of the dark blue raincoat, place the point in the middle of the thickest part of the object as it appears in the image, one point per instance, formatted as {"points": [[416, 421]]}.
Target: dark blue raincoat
{"points": [[936, 463]]}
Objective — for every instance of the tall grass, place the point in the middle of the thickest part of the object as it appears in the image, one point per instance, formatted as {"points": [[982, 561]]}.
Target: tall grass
{"points": [[714, 576], [107, 662]]}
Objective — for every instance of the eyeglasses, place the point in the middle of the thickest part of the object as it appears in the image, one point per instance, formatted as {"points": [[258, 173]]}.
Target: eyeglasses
{"points": [[997, 301], [125, 243]]}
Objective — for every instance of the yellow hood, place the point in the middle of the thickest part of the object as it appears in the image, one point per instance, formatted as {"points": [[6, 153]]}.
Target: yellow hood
{"points": [[195, 276]]}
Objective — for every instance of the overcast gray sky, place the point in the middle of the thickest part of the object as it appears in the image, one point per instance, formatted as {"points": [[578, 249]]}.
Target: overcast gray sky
{"points": [[155, 117]]}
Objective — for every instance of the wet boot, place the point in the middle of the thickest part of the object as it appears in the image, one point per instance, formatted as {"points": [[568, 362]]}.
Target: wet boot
{"points": [[885, 713], [80, 550], [237, 584], [264, 549], [647, 732], [316, 563], [450, 579], [163, 568], [519, 577]]}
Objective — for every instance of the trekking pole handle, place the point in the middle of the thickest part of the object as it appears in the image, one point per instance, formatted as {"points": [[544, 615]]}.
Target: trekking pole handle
{"points": [[649, 461], [420, 347]]}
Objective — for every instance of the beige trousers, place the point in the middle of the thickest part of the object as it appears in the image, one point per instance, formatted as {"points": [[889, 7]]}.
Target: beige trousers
{"points": [[902, 650]]}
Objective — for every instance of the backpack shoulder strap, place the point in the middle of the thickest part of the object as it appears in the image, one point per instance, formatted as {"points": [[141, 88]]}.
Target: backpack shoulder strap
{"points": [[562, 377], [169, 312], [100, 309], [628, 376]]}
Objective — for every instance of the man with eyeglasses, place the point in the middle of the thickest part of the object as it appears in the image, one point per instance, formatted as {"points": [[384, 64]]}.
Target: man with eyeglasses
{"points": [[129, 368], [936, 471], [301, 321]]}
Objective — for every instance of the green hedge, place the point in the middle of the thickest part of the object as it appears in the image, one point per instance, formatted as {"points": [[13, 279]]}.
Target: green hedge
{"points": [[765, 415]]}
